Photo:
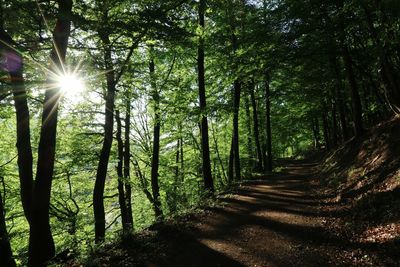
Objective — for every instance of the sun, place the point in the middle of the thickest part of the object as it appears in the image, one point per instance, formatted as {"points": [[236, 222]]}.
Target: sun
{"points": [[70, 84]]}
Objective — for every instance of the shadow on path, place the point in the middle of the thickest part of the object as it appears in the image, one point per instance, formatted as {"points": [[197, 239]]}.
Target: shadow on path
{"points": [[274, 222]]}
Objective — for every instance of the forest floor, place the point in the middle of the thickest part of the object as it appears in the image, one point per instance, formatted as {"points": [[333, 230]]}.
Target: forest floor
{"points": [[277, 221]]}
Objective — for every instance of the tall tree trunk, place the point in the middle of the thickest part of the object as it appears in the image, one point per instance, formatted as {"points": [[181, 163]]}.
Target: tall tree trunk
{"points": [[156, 142], [268, 167], [392, 85], [250, 150], [348, 62], [121, 190], [315, 127], [237, 87], [334, 120], [256, 129], [14, 66], [182, 161], [182, 170], [236, 105], [127, 169], [355, 96], [218, 154], [230, 164], [205, 147], [25, 159], [172, 198], [264, 153], [6, 257], [326, 132], [98, 193], [339, 98], [41, 244]]}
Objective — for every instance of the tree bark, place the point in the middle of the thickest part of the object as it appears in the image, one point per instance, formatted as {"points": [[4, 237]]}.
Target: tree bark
{"points": [[348, 62], [315, 126], [268, 167], [390, 80], [218, 154], [230, 164], [127, 169], [334, 119], [41, 244], [326, 132], [121, 190], [6, 256], [256, 130], [15, 68], [236, 105], [250, 150], [355, 96], [339, 98], [98, 201], [205, 147], [25, 159], [156, 143]]}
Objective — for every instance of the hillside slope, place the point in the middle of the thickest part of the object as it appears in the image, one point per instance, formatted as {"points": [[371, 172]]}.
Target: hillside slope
{"points": [[361, 185]]}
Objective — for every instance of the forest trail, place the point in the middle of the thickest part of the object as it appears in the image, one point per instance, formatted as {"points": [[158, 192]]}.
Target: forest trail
{"points": [[275, 222]]}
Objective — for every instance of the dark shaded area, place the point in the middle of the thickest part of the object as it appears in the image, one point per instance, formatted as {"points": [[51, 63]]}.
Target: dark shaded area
{"points": [[362, 179], [273, 222]]}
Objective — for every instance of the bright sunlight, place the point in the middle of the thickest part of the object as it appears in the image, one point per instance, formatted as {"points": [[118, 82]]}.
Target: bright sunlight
{"points": [[71, 85]]}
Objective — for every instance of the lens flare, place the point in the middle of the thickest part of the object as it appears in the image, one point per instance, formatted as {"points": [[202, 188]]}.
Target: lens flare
{"points": [[70, 85]]}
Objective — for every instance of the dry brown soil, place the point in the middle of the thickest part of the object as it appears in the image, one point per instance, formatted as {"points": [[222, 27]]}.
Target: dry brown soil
{"points": [[277, 221]]}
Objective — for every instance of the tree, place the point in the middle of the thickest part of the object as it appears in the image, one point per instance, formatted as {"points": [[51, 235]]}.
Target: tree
{"points": [[112, 79], [35, 194], [6, 256], [268, 163], [205, 148], [41, 244], [155, 158]]}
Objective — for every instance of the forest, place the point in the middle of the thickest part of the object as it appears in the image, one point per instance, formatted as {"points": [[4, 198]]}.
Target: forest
{"points": [[116, 115]]}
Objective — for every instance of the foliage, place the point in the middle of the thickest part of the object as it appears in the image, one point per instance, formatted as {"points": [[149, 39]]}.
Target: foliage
{"points": [[296, 47]]}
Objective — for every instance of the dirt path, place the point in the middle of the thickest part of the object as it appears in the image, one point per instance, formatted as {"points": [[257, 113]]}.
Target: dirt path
{"points": [[271, 223], [274, 222]]}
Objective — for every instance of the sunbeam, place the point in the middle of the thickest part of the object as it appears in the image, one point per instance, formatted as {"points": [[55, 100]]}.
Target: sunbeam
{"points": [[70, 85]]}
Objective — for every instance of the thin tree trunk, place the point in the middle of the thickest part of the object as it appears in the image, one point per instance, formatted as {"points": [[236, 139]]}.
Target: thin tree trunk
{"points": [[182, 171], [41, 243], [24, 148], [237, 87], [256, 130], [250, 149], [326, 132], [98, 201], [121, 190], [6, 256], [334, 120], [177, 158], [264, 152], [315, 125], [172, 199], [355, 96], [230, 164], [339, 98], [156, 143], [218, 154], [348, 62], [236, 105], [127, 169], [268, 167], [182, 160], [205, 147]]}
